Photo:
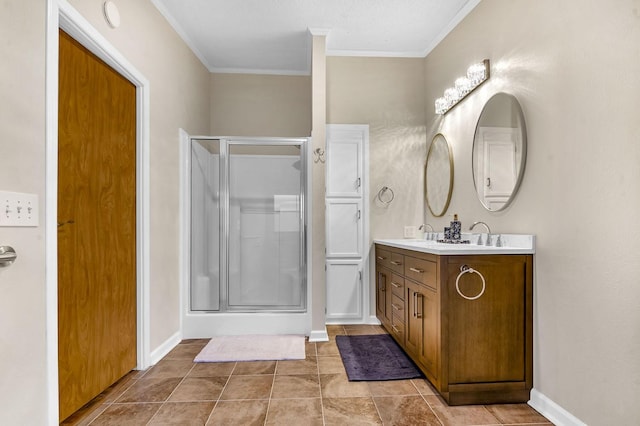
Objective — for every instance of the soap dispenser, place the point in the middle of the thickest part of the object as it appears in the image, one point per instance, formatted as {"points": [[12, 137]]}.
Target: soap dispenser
{"points": [[456, 228]]}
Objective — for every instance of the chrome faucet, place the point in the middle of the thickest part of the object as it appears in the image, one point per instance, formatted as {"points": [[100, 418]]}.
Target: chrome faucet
{"points": [[423, 228], [488, 242]]}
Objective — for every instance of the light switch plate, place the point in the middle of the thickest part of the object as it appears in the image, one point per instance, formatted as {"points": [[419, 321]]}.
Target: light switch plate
{"points": [[410, 231], [18, 209]]}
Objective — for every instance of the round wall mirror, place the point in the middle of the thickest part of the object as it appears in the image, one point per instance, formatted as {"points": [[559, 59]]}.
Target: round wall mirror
{"points": [[438, 176], [499, 151]]}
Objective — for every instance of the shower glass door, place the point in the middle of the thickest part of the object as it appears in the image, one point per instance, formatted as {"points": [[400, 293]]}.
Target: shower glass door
{"points": [[248, 225], [265, 226]]}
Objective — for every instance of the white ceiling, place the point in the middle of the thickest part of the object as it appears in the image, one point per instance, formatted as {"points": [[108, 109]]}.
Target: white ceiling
{"points": [[272, 36]]}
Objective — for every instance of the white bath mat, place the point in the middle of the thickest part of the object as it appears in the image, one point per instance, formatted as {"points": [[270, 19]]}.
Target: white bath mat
{"points": [[252, 348]]}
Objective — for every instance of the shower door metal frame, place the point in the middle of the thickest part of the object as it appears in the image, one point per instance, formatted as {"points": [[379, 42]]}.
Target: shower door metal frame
{"points": [[224, 233]]}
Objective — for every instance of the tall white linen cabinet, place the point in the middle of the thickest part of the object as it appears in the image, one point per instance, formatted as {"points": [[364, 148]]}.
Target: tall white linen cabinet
{"points": [[346, 219]]}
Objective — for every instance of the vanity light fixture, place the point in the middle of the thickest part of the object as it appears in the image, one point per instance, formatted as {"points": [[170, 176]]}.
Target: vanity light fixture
{"points": [[476, 75]]}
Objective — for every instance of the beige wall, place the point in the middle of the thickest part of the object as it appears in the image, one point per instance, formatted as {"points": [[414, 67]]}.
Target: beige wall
{"points": [[388, 95], [574, 67], [179, 98], [260, 105], [22, 161]]}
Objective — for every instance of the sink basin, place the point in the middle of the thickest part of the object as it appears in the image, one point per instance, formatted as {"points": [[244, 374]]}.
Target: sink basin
{"points": [[509, 244]]}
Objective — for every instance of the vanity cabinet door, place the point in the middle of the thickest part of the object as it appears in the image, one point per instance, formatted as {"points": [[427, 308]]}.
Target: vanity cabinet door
{"points": [[489, 337], [414, 324], [384, 310], [422, 338], [430, 349]]}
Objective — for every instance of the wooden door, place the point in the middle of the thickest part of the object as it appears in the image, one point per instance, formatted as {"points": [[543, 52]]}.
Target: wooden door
{"points": [[96, 226]]}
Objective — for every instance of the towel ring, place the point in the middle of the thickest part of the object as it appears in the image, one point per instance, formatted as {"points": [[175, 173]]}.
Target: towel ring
{"points": [[464, 269], [382, 192]]}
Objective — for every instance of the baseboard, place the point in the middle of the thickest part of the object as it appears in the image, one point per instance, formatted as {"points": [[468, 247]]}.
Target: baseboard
{"points": [[373, 320], [165, 348], [319, 336], [552, 411]]}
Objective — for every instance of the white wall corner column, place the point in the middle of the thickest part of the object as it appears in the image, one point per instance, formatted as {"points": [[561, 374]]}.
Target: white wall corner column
{"points": [[318, 122]]}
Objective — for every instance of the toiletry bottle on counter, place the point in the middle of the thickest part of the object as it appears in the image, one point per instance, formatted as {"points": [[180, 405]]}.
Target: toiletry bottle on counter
{"points": [[456, 228]]}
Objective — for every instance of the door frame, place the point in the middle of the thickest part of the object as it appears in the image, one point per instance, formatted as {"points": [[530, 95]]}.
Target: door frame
{"points": [[61, 15]]}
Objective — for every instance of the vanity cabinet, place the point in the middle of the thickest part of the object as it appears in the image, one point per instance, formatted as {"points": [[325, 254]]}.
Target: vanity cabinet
{"points": [[474, 350]]}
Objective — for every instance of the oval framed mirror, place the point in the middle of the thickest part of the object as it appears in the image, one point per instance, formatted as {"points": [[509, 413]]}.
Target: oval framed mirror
{"points": [[499, 151], [438, 176]]}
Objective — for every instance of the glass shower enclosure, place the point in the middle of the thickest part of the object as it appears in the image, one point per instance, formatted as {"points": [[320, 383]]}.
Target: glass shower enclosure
{"points": [[248, 221]]}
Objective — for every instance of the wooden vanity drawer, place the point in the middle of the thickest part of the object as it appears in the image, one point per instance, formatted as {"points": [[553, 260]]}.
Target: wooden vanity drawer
{"points": [[421, 270], [397, 306], [397, 263], [397, 328], [397, 286], [383, 257]]}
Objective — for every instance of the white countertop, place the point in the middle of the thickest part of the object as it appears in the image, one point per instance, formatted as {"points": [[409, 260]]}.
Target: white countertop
{"points": [[510, 244]]}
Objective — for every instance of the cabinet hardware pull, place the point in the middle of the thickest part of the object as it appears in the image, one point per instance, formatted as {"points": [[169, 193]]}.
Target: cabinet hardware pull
{"points": [[358, 214], [358, 183], [419, 271], [396, 285], [381, 258], [420, 304], [393, 262], [415, 304], [394, 306], [395, 328]]}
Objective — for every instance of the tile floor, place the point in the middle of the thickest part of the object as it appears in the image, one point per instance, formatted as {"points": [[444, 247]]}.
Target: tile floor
{"points": [[315, 391]]}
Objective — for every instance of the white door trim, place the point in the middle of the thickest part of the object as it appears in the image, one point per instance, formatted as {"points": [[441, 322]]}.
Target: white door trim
{"points": [[60, 14]]}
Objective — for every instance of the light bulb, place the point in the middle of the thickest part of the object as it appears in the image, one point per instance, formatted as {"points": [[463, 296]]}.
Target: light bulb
{"points": [[477, 73], [463, 85], [441, 105], [451, 95]]}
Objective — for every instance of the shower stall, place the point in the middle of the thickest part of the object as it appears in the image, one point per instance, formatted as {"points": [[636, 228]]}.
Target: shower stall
{"points": [[247, 271]]}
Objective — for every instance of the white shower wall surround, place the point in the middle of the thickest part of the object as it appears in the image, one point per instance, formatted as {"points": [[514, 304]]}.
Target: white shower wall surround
{"points": [[248, 248], [205, 222]]}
